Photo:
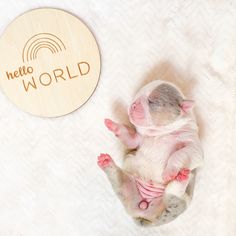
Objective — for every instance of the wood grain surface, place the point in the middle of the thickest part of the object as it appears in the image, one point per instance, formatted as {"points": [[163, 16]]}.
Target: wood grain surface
{"points": [[49, 62]]}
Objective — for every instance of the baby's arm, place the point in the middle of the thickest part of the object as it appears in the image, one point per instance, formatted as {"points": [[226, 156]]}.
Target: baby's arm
{"points": [[128, 136], [179, 162]]}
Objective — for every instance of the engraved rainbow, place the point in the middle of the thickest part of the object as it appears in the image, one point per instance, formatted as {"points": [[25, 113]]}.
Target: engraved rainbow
{"points": [[39, 42]]}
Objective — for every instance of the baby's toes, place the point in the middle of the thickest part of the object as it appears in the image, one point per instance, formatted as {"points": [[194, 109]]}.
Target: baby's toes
{"points": [[183, 175], [104, 160]]}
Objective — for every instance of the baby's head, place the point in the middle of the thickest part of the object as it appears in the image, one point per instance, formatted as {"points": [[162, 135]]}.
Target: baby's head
{"points": [[159, 103]]}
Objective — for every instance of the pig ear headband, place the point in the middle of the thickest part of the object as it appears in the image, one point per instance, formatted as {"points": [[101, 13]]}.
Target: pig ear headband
{"points": [[186, 107], [148, 88]]}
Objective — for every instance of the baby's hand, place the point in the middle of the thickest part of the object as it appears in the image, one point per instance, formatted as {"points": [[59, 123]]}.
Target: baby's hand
{"points": [[113, 127], [127, 135]]}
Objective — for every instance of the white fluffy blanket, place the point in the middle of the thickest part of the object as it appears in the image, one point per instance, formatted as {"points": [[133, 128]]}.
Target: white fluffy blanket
{"points": [[49, 180]]}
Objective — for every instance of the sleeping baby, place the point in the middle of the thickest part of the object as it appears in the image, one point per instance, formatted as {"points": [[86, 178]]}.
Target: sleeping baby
{"points": [[157, 176]]}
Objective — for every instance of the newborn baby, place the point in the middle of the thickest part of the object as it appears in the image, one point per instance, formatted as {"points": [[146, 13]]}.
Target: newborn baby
{"points": [[155, 182]]}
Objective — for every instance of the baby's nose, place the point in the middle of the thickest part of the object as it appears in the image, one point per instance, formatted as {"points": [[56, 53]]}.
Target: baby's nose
{"points": [[136, 105], [133, 106]]}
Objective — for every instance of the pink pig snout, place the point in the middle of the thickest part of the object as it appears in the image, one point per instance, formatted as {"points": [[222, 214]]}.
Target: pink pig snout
{"points": [[137, 110]]}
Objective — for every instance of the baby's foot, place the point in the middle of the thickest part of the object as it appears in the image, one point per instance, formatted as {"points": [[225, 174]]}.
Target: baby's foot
{"points": [[104, 161], [183, 175], [175, 174]]}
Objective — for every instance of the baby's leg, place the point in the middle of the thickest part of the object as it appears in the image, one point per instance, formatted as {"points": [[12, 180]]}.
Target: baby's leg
{"points": [[176, 199], [178, 187], [127, 135], [174, 207], [122, 184]]}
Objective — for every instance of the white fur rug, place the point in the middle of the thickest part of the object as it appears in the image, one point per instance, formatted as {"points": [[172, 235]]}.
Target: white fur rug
{"points": [[49, 180]]}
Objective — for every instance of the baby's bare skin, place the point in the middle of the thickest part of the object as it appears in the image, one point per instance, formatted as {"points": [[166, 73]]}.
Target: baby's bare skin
{"points": [[127, 135], [132, 140], [155, 178]]}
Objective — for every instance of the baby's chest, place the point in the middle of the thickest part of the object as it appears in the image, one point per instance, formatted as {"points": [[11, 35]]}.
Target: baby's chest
{"points": [[151, 158], [158, 148]]}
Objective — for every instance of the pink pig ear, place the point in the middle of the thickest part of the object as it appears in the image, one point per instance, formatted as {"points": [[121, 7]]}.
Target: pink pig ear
{"points": [[187, 105]]}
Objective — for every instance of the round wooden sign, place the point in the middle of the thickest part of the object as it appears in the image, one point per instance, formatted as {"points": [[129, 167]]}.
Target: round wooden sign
{"points": [[49, 62]]}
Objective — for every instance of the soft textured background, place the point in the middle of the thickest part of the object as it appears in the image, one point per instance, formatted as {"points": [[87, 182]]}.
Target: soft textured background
{"points": [[49, 181]]}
